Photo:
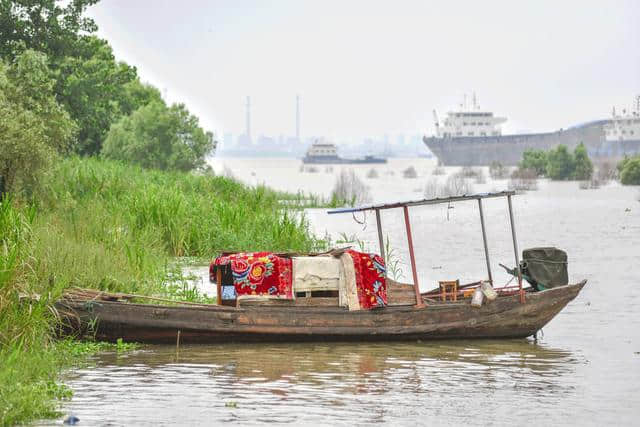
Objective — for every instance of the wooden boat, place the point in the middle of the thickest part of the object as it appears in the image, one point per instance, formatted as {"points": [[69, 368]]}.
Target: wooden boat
{"points": [[505, 317], [516, 312]]}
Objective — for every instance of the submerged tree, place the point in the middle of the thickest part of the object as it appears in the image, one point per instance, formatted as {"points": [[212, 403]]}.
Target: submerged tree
{"points": [[349, 189], [160, 137], [535, 160], [582, 166], [560, 163], [630, 171]]}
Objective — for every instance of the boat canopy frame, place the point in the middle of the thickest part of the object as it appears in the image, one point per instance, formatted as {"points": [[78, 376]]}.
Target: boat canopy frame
{"points": [[377, 208]]}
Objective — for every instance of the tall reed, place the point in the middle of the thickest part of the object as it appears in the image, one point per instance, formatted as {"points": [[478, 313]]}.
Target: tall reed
{"points": [[110, 226]]}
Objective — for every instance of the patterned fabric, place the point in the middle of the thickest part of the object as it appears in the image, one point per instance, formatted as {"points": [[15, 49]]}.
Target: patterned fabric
{"points": [[258, 273], [268, 275], [370, 279]]}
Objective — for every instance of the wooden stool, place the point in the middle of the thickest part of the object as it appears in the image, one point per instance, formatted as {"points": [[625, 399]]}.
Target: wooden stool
{"points": [[449, 288]]}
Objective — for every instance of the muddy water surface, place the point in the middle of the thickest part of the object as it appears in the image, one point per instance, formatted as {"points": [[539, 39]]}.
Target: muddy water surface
{"points": [[584, 368]]}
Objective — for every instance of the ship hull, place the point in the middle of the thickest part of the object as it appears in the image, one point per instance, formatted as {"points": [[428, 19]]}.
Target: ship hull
{"points": [[340, 161], [508, 149]]}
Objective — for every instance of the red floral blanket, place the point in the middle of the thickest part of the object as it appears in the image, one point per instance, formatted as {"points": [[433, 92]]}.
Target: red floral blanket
{"points": [[370, 279], [266, 274], [259, 273]]}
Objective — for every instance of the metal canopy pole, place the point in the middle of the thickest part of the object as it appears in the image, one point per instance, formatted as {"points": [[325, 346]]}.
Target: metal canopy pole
{"points": [[484, 240], [416, 287], [380, 239], [515, 248]]}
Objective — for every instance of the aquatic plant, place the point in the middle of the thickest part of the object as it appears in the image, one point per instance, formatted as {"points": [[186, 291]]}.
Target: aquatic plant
{"points": [[410, 173], [392, 261], [455, 185], [498, 171], [349, 189], [523, 180], [110, 226], [438, 170], [372, 174]]}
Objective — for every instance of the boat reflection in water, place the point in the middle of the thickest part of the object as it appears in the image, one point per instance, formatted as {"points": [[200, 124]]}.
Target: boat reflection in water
{"points": [[321, 383]]}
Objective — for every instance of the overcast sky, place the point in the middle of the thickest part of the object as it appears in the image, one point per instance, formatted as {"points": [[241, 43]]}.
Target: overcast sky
{"points": [[365, 68]]}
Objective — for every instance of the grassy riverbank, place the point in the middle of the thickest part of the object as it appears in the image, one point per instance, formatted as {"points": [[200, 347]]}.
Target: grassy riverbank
{"points": [[110, 226]]}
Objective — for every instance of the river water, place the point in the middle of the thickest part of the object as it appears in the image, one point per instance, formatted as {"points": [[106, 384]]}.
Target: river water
{"points": [[584, 367]]}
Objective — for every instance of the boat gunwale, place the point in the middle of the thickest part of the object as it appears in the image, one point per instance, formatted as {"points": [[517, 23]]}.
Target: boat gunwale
{"points": [[320, 309]]}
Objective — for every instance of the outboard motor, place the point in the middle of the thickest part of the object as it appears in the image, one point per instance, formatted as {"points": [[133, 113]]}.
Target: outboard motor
{"points": [[544, 268]]}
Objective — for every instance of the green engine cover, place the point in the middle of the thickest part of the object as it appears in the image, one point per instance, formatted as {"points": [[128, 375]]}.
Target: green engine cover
{"points": [[545, 267]]}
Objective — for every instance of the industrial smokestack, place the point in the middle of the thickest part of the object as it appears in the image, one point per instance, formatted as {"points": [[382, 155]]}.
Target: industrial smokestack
{"points": [[248, 118], [298, 118]]}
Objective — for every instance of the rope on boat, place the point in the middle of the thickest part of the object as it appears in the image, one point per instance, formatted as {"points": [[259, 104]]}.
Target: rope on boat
{"points": [[364, 219]]}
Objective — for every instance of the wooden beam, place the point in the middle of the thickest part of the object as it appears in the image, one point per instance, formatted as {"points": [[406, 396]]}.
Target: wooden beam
{"points": [[484, 241], [380, 238], [515, 248], [414, 271]]}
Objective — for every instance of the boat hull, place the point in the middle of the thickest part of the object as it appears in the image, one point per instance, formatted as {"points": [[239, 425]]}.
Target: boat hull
{"points": [[505, 317], [340, 161]]}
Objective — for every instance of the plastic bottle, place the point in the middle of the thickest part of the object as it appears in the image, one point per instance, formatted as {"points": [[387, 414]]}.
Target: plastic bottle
{"points": [[478, 296]]}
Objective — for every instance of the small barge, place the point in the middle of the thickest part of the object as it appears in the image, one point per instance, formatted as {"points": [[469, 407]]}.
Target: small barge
{"points": [[327, 154]]}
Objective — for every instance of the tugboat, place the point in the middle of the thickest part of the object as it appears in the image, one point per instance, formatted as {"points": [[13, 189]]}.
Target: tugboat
{"points": [[325, 153]]}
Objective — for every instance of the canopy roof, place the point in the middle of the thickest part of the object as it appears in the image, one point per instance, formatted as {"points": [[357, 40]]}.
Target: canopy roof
{"points": [[435, 201]]}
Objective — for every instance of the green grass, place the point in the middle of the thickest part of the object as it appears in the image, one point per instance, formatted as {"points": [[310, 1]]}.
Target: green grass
{"points": [[109, 226]]}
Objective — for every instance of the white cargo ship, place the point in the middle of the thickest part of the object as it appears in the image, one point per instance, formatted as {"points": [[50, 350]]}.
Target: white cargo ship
{"points": [[472, 136]]}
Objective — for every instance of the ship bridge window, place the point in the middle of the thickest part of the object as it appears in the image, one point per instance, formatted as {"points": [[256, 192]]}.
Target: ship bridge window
{"points": [[483, 133], [464, 123], [470, 134]]}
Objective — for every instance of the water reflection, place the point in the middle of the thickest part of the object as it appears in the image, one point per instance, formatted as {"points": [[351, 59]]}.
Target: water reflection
{"points": [[317, 383]]}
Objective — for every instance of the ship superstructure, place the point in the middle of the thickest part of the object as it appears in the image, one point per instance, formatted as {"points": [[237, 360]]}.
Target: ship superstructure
{"points": [[625, 126], [469, 122]]}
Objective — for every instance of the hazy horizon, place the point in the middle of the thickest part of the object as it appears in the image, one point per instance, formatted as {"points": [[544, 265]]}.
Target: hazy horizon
{"points": [[373, 68]]}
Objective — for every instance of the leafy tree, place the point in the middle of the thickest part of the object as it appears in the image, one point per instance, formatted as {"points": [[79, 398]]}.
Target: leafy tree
{"points": [[45, 25], [137, 94], [93, 88], [34, 128], [560, 163], [159, 137], [535, 160], [583, 168], [622, 163], [630, 172]]}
